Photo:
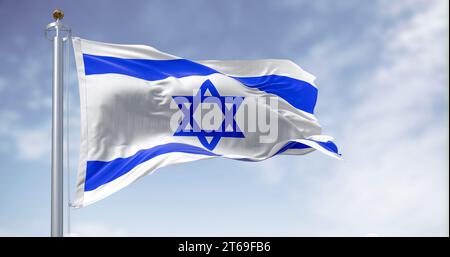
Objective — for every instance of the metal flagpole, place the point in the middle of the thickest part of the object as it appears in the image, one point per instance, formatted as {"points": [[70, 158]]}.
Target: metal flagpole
{"points": [[58, 33]]}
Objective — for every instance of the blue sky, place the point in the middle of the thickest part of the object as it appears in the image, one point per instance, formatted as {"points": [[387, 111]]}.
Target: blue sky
{"points": [[382, 73]]}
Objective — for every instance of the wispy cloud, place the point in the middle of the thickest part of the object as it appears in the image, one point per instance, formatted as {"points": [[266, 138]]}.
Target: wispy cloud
{"points": [[394, 180], [270, 172]]}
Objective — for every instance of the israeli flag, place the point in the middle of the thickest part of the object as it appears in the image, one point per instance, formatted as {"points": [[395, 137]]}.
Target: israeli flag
{"points": [[142, 109]]}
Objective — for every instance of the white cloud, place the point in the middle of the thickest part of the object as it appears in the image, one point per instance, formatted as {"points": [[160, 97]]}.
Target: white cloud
{"points": [[269, 172], [34, 143], [30, 143], [394, 180], [7, 120]]}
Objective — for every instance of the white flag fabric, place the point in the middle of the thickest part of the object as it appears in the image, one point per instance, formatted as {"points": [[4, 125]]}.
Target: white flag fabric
{"points": [[142, 109]]}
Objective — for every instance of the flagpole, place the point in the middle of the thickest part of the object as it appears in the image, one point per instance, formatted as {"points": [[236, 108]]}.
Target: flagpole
{"points": [[60, 33]]}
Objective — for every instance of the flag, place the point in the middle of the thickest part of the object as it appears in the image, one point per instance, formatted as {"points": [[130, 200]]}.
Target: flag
{"points": [[142, 109]]}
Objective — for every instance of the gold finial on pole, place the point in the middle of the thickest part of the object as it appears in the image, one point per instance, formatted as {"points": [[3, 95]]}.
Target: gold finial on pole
{"points": [[58, 14]]}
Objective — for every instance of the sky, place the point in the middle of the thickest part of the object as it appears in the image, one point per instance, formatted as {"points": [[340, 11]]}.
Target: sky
{"points": [[382, 73]]}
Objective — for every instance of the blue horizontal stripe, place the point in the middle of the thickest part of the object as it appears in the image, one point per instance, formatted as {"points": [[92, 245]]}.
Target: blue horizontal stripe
{"points": [[292, 145], [102, 172], [144, 69], [298, 93], [329, 146]]}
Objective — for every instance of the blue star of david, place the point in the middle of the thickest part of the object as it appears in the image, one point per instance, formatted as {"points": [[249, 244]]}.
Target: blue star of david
{"points": [[189, 127]]}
